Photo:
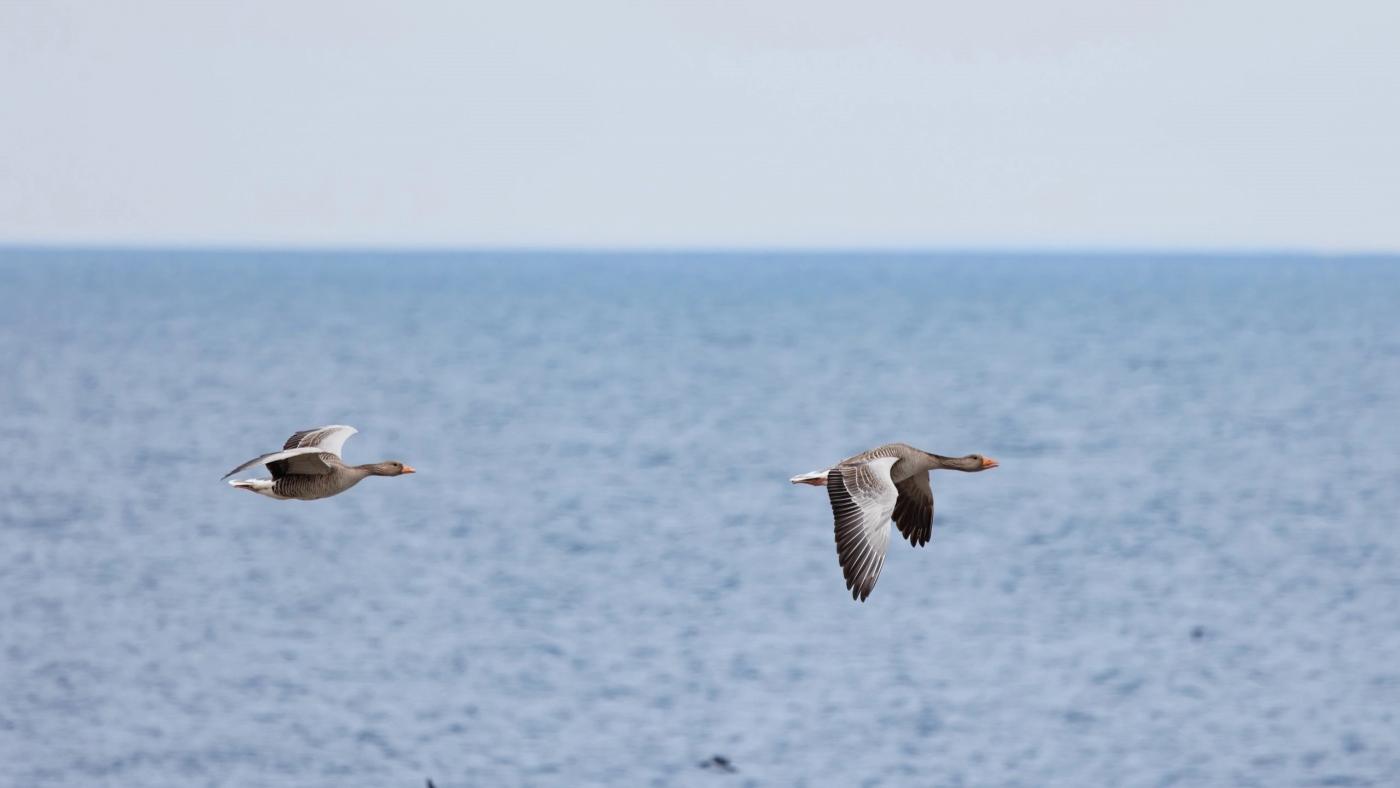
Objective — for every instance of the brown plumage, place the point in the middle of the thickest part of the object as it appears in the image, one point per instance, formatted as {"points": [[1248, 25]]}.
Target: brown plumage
{"points": [[870, 489]]}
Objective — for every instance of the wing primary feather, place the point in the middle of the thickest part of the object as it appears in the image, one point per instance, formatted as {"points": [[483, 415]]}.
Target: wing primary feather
{"points": [[913, 511], [862, 500]]}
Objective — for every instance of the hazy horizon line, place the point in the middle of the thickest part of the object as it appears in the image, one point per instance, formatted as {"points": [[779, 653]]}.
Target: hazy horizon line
{"points": [[684, 250]]}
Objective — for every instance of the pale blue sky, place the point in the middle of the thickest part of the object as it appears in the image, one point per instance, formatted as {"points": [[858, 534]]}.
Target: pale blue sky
{"points": [[1020, 123]]}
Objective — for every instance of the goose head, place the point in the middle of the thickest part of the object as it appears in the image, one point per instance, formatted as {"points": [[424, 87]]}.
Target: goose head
{"points": [[972, 463], [389, 468]]}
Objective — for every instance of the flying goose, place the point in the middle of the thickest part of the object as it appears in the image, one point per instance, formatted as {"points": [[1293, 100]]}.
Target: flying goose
{"points": [[868, 489], [309, 467]]}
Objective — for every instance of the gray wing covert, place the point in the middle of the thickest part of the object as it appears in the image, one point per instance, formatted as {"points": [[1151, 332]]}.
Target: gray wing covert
{"points": [[306, 460]]}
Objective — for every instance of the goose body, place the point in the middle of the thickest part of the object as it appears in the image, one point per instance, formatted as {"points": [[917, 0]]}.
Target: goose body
{"points": [[309, 467], [873, 487]]}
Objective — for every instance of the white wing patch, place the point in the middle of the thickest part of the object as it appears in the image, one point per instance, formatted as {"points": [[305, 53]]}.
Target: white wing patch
{"points": [[330, 438], [862, 500]]}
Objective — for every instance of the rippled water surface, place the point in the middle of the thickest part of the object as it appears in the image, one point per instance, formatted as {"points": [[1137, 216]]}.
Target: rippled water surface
{"points": [[1186, 571]]}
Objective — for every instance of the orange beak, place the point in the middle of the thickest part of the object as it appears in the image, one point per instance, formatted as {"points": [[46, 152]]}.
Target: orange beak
{"points": [[408, 469], [988, 462]]}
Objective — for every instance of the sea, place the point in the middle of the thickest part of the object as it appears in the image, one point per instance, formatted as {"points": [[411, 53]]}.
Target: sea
{"points": [[1185, 571]]}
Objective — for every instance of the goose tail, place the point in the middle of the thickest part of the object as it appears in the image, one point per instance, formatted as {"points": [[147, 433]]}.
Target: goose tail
{"points": [[260, 486], [815, 478]]}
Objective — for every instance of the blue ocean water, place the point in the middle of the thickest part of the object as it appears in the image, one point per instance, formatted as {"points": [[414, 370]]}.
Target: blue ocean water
{"points": [[1185, 572]]}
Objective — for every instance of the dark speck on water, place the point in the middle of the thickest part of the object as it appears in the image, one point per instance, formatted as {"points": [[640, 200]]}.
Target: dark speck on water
{"points": [[719, 763], [601, 565]]}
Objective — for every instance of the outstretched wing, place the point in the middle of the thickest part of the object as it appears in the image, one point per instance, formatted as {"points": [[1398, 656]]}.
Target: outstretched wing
{"points": [[327, 439], [913, 512], [304, 460], [862, 500], [330, 438]]}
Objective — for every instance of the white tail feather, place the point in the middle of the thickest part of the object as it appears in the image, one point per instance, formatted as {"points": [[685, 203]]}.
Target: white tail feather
{"points": [[259, 486]]}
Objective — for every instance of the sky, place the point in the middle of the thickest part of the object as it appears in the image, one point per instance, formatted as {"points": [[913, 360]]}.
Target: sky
{"points": [[1230, 124]]}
